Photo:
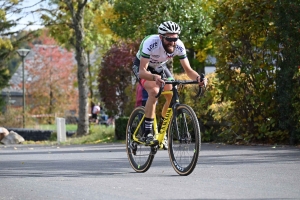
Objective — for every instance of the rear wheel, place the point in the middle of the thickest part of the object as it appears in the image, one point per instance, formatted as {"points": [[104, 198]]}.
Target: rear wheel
{"points": [[140, 156], [184, 140]]}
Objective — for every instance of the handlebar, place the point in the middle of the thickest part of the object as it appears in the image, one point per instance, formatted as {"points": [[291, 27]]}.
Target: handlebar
{"points": [[182, 82]]}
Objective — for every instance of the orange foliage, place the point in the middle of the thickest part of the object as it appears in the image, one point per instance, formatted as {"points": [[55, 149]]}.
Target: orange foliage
{"points": [[50, 78]]}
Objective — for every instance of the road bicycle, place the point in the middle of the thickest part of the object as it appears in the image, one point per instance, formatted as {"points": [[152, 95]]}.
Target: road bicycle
{"points": [[181, 127]]}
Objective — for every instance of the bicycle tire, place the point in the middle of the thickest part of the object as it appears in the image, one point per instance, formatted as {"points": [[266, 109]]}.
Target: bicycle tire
{"points": [[184, 144], [140, 156]]}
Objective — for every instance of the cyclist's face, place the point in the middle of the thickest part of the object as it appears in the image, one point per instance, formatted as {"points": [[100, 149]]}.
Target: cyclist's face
{"points": [[169, 46]]}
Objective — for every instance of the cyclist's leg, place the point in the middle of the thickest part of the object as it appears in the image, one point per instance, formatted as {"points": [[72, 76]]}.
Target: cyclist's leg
{"points": [[144, 97], [152, 90], [168, 98]]}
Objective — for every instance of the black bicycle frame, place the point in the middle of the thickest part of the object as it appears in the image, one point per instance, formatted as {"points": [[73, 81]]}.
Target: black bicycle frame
{"points": [[174, 104]]}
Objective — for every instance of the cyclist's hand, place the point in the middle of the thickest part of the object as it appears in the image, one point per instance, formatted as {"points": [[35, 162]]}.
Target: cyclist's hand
{"points": [[203, 82], [159, 81]]}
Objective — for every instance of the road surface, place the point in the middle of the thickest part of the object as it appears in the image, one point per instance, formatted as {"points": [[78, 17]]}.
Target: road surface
{"points": [[103, 172]]}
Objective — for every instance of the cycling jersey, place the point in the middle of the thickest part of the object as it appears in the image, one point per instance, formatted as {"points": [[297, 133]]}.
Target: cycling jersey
{"points": [[152, 48]]}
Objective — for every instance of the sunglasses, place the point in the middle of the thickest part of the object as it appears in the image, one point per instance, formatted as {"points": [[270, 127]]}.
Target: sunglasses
{"points": [[169, 39]]}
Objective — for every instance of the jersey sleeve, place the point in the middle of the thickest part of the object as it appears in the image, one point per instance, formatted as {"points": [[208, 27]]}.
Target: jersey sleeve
{"points": [[180, 50], [144, 49]]}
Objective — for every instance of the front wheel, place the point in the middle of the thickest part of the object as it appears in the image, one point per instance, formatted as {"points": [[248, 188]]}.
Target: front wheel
{"points": [[184, 140], [139, 155]]}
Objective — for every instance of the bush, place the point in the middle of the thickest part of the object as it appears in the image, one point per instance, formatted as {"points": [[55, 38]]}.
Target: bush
{"points": [[296, 105], [120, 128], [11, 118]]}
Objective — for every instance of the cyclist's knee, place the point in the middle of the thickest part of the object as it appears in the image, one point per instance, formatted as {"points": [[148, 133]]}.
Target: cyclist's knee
{"points": [[152, 93], [151, 89]]}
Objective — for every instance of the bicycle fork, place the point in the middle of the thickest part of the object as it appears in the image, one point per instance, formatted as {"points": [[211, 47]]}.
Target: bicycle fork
{"points": [[184, 128]]}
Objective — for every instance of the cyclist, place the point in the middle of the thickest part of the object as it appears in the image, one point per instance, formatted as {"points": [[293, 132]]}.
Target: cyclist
{"points": [[153, 53]]}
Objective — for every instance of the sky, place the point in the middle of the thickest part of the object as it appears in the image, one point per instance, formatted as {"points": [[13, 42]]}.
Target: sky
{"points": [[28, 6]]}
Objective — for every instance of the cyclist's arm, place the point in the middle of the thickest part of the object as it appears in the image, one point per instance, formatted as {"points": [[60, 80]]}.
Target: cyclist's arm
{"points": [[143, 73], [192, 74]]}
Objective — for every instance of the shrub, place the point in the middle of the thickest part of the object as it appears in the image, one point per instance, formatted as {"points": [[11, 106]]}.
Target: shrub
{"points": [[120, 128]]}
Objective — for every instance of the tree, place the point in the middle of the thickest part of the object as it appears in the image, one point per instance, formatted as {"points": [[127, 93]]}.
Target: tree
{"points": [[246, 71], [52, 77], [287, 79], [9, 42], [77, 13], [67, 26], [72, 24], [115, 76], [101, 41]]}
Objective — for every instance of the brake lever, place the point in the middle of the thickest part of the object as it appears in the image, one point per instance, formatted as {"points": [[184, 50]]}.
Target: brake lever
{"points": [[201, 90]]}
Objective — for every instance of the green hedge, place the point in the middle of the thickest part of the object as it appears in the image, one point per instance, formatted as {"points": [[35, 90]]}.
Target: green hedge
{"points": [[120, 128]]}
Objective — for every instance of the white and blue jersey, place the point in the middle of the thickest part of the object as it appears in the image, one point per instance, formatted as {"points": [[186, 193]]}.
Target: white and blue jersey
{"points": [[152, 48]]}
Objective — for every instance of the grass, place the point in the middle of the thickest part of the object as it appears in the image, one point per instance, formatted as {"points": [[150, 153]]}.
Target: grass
{"points": [[69, 127], [98, 134]]}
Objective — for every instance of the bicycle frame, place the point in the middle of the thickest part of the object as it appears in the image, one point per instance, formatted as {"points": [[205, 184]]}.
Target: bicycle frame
{"points": [[159, 135]]}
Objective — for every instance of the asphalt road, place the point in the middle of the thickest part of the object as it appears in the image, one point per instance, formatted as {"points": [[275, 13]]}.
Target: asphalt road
{"points": [[103, 172]]}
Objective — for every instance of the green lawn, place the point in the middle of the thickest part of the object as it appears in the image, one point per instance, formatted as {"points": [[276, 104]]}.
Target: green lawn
{"points": [[69, 127], [98, 134]]}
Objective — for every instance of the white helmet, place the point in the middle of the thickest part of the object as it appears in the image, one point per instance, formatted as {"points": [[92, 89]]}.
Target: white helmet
{"points": [[168, 27]]}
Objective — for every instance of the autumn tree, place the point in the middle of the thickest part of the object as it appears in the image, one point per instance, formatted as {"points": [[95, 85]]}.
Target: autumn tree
{"points": [[115, 76], [50, 79], [66, 24], [72, 23]]}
